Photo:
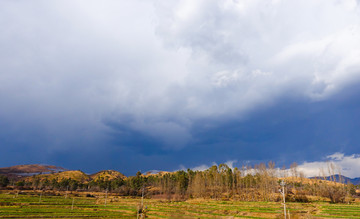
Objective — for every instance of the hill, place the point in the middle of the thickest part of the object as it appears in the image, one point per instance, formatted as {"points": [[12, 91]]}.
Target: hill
{"points": [[71, 174], [32, 172], [21, 171], [157, 173], [107, 175]]}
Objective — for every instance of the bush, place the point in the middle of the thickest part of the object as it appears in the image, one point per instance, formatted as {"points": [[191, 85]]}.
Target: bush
{"points": [[4, 181], [301, 198], [20, 184], [336, 193], [297, 197]]}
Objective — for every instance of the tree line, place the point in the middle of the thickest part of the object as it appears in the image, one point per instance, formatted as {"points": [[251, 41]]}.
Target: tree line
{"points": [[257, 183]]}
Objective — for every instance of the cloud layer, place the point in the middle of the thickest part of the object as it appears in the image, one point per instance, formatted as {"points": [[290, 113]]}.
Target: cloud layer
{"points": [[337, 163], [173, 62], [345, 165], [154, 70]]}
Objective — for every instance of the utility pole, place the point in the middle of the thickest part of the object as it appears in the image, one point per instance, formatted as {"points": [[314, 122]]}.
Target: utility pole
{"points": [[282, 191], [141, 208]]}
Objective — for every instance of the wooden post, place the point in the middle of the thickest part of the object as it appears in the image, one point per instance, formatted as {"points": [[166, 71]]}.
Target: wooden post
{"points": [[289, 214], [72, 205], [67, 190], [142, 203], [137, 212], [106, 196]]}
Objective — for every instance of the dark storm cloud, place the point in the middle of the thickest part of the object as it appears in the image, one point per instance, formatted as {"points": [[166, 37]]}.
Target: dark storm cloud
{"points": [[168, 80]]}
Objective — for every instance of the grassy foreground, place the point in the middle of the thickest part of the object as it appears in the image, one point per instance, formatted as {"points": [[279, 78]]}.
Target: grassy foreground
{"points": [[57, 206]]}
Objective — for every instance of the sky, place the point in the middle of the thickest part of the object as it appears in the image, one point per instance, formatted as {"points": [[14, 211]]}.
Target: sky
{"points": [[169, 85]]}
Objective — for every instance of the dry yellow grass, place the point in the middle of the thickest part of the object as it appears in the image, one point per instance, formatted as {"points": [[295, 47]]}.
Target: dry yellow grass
{"points": [[107, 175], [73, 174], [308, 181], [161, 173]]}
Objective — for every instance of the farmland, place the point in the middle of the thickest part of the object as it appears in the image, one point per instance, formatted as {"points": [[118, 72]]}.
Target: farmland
{"points": [[36, 204]]}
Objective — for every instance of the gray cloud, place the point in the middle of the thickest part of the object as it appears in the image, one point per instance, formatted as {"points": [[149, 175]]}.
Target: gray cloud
{"points": [[65, 65], [337, 163]]}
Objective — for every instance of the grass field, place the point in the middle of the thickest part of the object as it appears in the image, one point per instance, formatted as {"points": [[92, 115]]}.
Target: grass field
{"points": [[30, 205]]}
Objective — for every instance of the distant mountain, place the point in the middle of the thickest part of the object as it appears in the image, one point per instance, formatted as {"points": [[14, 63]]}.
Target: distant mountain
{"points": [[356, 181], [50, 172], [20, 171], [338, 178]]}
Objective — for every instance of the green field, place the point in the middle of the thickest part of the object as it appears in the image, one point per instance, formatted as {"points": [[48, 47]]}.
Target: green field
{"points": [[30, 205]]}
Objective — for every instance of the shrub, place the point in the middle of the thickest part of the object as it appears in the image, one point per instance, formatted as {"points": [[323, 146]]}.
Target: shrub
{"points": [[4, 181]]}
